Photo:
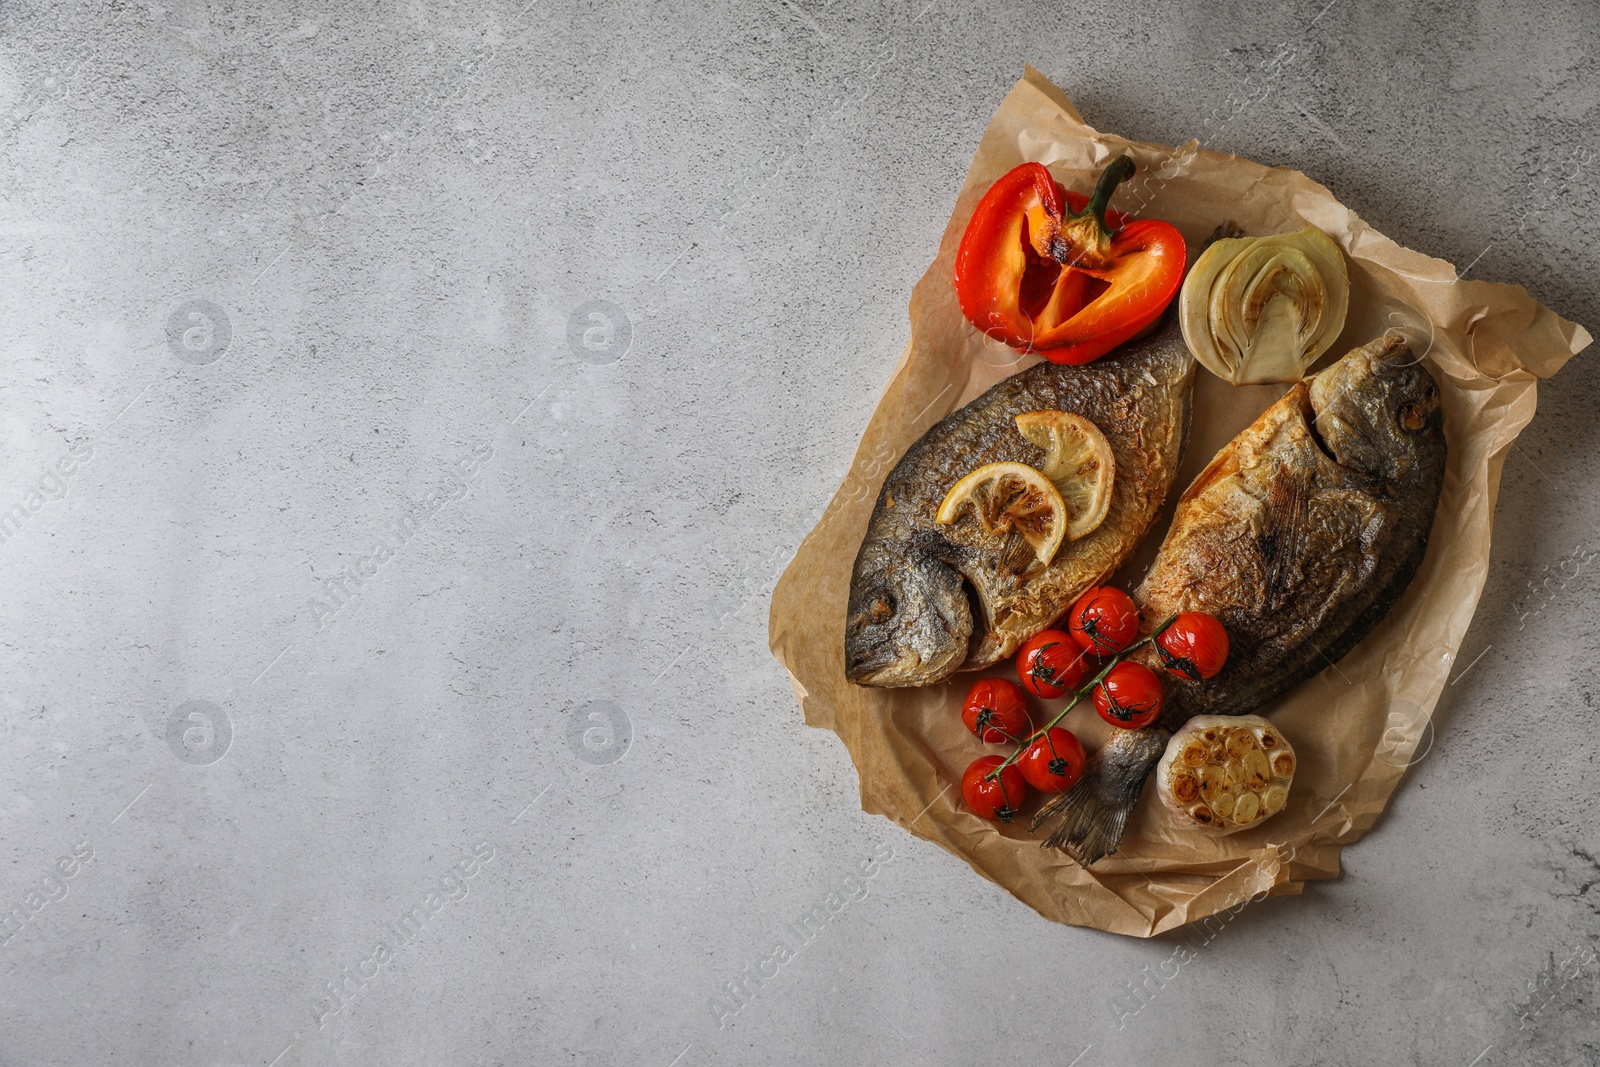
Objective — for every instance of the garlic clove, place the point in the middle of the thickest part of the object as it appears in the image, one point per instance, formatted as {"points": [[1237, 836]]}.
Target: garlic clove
{"points": [[1222, 774]]}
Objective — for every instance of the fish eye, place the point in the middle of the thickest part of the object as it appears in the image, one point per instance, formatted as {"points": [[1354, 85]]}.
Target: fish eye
{"points": [[881, 607], [1413, 415]]}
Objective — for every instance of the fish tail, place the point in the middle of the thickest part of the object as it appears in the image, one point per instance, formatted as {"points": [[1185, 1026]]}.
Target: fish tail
{"points": [[1090, 828], [1094, 813]]}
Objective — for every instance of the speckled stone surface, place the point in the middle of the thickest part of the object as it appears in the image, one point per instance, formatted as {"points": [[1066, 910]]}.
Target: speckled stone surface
{"points": [[409, 408]]}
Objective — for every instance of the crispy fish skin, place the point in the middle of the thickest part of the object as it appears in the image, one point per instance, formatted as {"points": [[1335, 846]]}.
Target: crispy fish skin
{"points": [[1299, 537], [910, 621]]}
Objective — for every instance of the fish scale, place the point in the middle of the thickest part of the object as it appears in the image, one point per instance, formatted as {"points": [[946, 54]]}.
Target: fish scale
{"points": [[928, 599], [1299, 537]]}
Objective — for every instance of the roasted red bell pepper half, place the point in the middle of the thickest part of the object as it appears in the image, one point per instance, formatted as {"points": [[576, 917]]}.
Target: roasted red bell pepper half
{"points": [[1052, 271]]}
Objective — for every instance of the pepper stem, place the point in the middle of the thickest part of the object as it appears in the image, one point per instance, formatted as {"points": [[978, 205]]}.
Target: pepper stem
{"points": [[1117, 171], [1083, 239]]}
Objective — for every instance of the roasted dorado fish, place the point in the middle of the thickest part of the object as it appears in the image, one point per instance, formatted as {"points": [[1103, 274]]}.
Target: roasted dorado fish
{"points": [[1299, 536], [911, 620]]}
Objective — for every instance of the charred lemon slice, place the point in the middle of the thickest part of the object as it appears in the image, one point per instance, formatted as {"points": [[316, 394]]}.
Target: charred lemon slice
{"points": [[1224, 773], [1015, 503], [1078, 462]]}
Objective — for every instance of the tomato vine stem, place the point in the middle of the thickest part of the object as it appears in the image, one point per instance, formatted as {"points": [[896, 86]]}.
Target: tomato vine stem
{"points": [[1078, 695]]}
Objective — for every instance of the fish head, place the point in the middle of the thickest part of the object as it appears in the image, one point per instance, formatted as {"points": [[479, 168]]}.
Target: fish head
{"points": [[1377, 410], [908, 624]]}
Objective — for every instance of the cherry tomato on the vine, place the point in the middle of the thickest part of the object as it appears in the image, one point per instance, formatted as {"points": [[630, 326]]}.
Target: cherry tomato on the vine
{"points": [[993, 798], [1129, 696], [1053, 763], [996, 712], [1050, 663], [1195, 646], [1104, 620]]}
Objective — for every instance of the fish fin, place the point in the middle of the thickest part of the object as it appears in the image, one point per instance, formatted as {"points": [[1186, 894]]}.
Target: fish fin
{"points": [[1017, 555], [1090, 829], [1288, 499], [1094, 813]]}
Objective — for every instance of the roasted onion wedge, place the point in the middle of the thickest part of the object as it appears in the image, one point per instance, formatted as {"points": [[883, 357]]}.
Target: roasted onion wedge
{"points": [[1262, 309]]}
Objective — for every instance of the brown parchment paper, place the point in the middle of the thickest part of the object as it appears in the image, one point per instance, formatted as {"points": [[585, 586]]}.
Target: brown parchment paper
{"points": [[1356, 725]]}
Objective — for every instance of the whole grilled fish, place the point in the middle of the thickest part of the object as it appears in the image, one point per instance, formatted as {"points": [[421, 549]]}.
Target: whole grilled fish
{"points": [[911, 620], [1299, 537]]}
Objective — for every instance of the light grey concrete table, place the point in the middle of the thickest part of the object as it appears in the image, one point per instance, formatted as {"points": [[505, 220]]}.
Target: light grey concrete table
{"points": [[409, 406]]}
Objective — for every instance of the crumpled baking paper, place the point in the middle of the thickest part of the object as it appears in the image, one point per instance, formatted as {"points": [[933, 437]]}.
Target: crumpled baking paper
{"points": [[1355, 726]]}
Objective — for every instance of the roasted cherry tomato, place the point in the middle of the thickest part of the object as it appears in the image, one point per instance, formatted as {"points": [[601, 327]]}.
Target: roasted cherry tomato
{"points": [[1104, 620], [1053, 763], [1050, 663], [1048, 270], [993, 798], [1129, 696], [1195, 646], [996, 712]]}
